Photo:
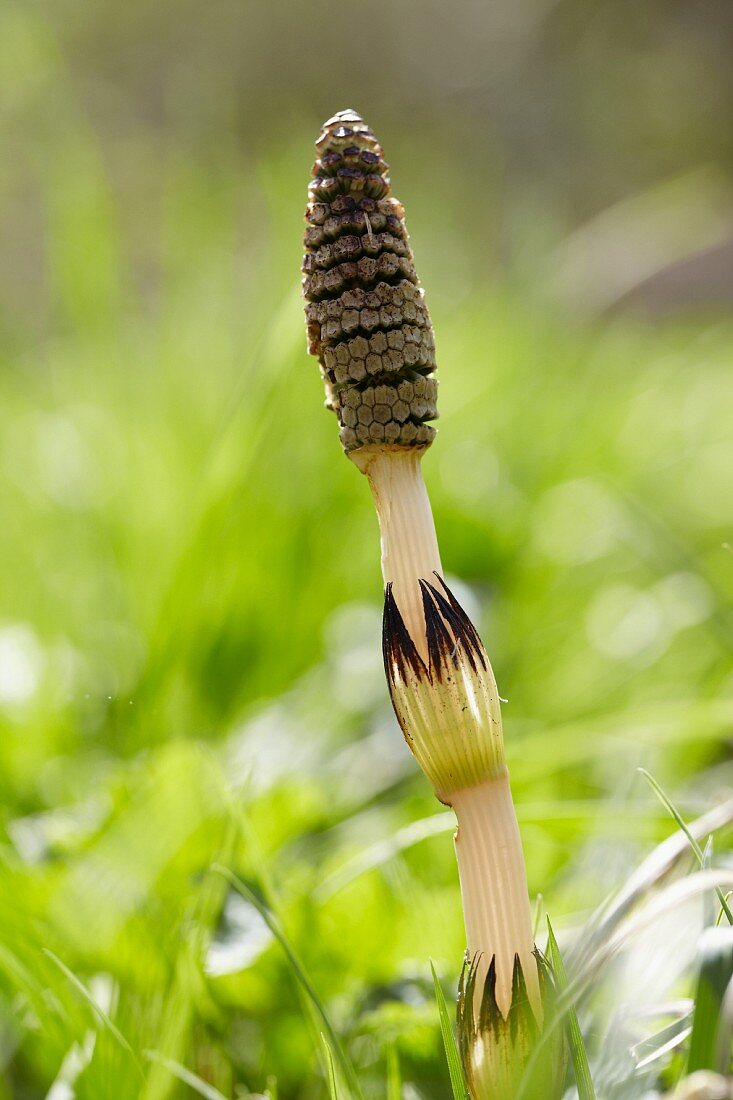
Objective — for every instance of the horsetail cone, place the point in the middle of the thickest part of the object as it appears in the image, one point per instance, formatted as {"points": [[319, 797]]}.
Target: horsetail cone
{"points": [[369, 327], [367, 321]]}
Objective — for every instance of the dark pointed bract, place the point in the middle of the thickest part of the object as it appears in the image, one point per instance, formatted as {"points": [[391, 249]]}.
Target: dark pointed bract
{"points": [[451, 636], [502, 1056]]}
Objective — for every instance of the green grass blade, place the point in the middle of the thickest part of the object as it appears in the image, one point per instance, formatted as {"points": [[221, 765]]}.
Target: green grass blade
{"points": [[709, 908], [583, 1078], [298, 970], [699, 854], [714, 979], [457, 1080], [394, 1077], [97, 1010], [537, 915], [203, 1088], [661, 1043], [333, 1091]]}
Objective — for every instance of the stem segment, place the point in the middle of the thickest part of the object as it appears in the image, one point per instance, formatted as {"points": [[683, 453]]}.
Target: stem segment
{"points": [[488, 845], [494, 888], [409, 543]]}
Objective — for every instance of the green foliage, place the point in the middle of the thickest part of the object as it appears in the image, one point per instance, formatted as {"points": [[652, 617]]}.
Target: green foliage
{"points": [[190, 595], [311, 997]]}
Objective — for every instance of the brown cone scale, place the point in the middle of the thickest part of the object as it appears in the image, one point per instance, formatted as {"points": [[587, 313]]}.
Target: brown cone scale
{"points": [[366, 315]]}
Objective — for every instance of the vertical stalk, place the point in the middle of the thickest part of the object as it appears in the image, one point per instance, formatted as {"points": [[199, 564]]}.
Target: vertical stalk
{"points": [[494, 888], [369, 326], [409, 543]]}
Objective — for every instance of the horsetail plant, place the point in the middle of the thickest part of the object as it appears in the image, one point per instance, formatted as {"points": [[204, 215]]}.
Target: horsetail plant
{"points": [[370, 329]]}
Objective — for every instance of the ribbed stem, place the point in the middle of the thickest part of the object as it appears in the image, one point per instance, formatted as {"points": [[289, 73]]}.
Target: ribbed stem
{"points": [[488, 844], [494, 887], [409, 543]]}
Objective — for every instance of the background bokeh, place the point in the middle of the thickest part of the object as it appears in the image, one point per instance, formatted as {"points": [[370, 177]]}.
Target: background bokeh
{"points": [[190, 592]]}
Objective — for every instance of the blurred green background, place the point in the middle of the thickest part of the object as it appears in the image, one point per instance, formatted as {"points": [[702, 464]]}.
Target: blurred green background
{"points": [[190, 593]]}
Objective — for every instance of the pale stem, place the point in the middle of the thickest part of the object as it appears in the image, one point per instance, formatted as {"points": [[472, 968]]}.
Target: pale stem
{"points": [[494, 888], [409, 544], [488, 845]]}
